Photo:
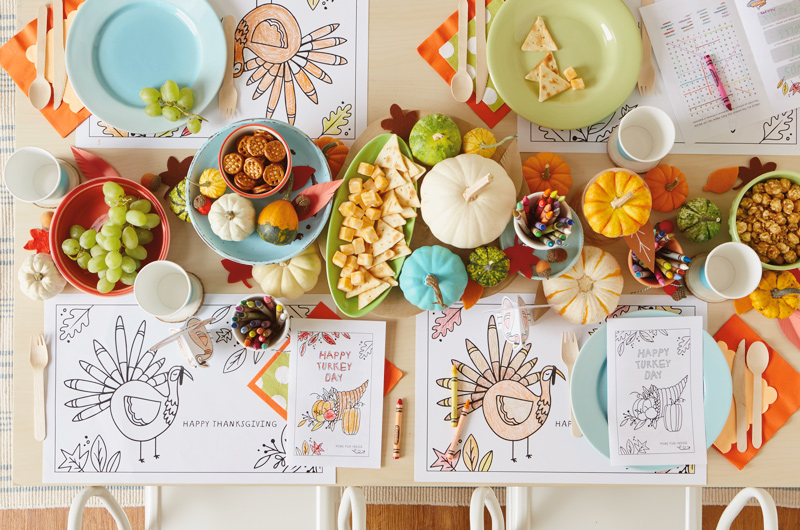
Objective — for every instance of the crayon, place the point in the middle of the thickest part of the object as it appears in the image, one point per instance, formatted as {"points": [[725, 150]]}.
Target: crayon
{"points": [[451, 450], [398, 420], [566, 221], [637, 268], [664, 263], [454, 398], [659, 277], [643, 274], [540, 226], [676, 256]]}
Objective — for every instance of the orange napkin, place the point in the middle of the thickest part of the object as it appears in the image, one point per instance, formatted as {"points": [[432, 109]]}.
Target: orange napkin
{"points": [[23, 72], [779, 375]]}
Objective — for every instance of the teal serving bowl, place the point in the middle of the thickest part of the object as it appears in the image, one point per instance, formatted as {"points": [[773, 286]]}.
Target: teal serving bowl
{"points": [[795, 178]]}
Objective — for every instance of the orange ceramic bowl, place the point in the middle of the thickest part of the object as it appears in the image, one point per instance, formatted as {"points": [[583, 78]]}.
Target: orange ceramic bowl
{"points": [[229, 146], [85, 206], [651, 281]]}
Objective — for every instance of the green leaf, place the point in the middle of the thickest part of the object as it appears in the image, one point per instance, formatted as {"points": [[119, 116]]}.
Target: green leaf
{"points": [[486, 461], [337, 119], [313, 4]]}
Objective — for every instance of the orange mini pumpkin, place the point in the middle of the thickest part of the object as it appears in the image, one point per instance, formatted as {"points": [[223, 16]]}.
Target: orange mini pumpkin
{"points": [[547, 170], [668, 187], [335, 153]]}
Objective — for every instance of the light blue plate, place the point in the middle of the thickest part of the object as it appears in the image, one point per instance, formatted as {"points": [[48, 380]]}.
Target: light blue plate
{"points": [[117, 47], [574, 244], [254, 250], [589, 388]]}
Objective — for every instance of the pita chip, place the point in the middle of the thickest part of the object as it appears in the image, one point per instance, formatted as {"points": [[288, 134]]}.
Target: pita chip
{"points": [[539, 38], [395, 220], [408, 212], [400, 250], [382, 271], [389, 238], [549, 62], [395, 178], [367, 297], [407, 196], [370, 282], [415, 171], [386, 256], [550, 83], [391, 204], [390, 156]]}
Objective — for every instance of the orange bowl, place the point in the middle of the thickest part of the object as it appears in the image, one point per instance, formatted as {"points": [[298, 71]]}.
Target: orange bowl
{"points": [[651, 281], [85, 206], [229, 146]]}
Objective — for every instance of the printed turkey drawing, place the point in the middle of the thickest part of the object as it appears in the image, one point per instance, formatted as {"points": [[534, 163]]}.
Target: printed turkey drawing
{"points": [[501, 387], [143, 401]]}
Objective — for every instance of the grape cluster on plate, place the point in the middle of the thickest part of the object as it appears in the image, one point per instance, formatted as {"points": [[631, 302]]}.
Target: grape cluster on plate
{"points": [[172, 103], [115, 252]]}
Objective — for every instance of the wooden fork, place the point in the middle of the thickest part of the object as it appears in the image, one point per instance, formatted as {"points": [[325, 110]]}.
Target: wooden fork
{"points": [[228, 96], [647, 75], [39, 360], [569, 354]]}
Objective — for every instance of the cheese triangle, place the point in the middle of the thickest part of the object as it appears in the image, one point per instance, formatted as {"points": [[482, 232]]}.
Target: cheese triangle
{"points": [[539, 38], [549, 62], [550, 83]]}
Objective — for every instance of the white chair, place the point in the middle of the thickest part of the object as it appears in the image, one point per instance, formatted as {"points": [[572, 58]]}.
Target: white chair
{"points": [[485, 497]]}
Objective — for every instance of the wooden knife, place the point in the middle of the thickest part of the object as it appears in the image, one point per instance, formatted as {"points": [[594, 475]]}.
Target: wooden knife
{"points": [[59, 68], [739, 397], [481, 70]]}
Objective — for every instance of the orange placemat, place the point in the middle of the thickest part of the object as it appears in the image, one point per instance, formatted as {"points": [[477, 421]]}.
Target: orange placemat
{"points": [[23, 72], [438, 50], [779, 375]]}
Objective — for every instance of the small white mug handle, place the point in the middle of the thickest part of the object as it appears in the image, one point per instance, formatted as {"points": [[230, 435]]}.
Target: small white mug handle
{"points": [[79, 503]]}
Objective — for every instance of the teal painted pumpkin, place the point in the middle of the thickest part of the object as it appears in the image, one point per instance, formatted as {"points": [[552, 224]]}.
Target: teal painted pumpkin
{"points": [[433, 138], [699, 220], [277, 223], [488, 266], [177, 201], [433, 278]]}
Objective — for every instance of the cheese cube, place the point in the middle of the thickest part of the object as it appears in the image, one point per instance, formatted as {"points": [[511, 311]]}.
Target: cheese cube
{"points": [[366, 169], [347, 249], [377, 173], [347, 271], [354, 185], [351, 223], [577, 84], [381, 183], [359, 212], [347, 209], [339, 259], [365, 260], [357, 223], [570, 73], [359, 246], [369, 235], [373, 214], [369, 185], [357, 278], [355, 198], [346, 233], [352, 261], [345, 284], [371, 199]]}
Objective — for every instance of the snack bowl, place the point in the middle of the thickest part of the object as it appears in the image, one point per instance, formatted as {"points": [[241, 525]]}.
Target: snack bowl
{"points": [[534, 242], [278, 328], [672, 245], [230, 145], [792, 176], [85, 206]]}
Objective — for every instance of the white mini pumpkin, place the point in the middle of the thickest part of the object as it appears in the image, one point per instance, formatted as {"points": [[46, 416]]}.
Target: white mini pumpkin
{"points": [[39, 279], [589, 291], [290, 278], [232, 217], [467, 201]]}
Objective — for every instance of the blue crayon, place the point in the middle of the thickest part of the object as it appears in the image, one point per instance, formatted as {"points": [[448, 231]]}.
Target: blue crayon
{"points": [[540, 226], [636, 268], [566, 220], [234, 325]]}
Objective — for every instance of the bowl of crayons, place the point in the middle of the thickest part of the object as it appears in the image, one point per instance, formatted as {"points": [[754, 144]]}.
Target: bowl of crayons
{"points": [[671, 262], [260, 322], [543, 220]]}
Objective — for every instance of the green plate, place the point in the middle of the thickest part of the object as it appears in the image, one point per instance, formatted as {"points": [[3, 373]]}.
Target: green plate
{"points": [[349, 306], [599, 38]]}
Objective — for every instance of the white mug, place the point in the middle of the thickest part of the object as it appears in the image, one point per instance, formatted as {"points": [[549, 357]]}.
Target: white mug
{"points": [[166, 291], [34, 175], [644, 136], [730, 271]]}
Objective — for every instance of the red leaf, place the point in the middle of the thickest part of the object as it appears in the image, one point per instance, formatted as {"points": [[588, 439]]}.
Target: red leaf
{"points": [[522, 260], [40, 242], [328, 338], [301, 176], [643, 244], [92, 165], [238, 272], [319, 195]]}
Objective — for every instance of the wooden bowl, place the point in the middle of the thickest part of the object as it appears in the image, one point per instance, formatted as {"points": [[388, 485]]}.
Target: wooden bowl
{"points": [[85, 206], [672, 245]]}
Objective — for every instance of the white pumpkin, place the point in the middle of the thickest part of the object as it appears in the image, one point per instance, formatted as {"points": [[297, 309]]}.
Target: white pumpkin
{"points": [[232, 217], [468, 200], [290, 278], [39, 279], [589, 291]]}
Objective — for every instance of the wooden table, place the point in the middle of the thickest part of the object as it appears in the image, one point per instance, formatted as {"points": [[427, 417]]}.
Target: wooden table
{"points": [[397, 74]]}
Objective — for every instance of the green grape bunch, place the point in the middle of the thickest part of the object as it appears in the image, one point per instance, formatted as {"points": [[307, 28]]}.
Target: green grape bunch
{"points": [[172, 103], [115, 252]]}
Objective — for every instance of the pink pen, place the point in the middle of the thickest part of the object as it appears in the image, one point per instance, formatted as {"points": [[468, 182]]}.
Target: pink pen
{"points": [[720, 88]]}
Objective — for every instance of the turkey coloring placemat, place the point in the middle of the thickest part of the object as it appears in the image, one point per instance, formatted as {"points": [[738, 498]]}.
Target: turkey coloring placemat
{"points": [[118, 412]]}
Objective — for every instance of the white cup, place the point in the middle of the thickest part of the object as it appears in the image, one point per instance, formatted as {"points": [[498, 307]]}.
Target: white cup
{"points": [[34, 175], [646, 135], [732, 270], [166, 291]]}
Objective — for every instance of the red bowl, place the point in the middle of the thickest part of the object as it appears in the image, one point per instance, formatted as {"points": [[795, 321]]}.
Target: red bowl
{"points": [[85, 206], [229, 146]]}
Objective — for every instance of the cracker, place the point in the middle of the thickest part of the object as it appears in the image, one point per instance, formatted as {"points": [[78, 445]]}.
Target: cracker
{"points": [[274, 151], [367, 297], [232, 163]]}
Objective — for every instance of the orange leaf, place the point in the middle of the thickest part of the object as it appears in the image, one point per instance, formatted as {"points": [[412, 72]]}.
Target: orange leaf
{"points": [[472, 293], [742, 305], [722, 180]]}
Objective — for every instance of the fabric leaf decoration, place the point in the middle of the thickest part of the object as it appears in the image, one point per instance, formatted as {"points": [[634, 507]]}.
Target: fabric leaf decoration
{"points": [[319, 195], [92, 165], [40, 242], [301, 176], [238, 272], [722, 179], [755, 169], [472, 294], [643, 244], [176, 172], [471, 453], [401, 122], [522, 259]]}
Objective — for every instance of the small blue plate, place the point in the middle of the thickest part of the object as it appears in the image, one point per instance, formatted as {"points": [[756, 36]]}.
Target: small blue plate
{"points": [[116, 48], [254, 250], [574, 245], [589, 388]]}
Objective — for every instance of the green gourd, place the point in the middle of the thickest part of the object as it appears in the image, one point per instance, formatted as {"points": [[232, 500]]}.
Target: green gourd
{"points": [[433, 278], [177, 201], [433, 138], [278, 222], [488, 266], [699, 220]]}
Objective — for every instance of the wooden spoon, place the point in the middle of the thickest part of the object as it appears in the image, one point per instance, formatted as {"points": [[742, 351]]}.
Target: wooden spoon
{"points": [[39, 92], [757, 360], [461, 83]]}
